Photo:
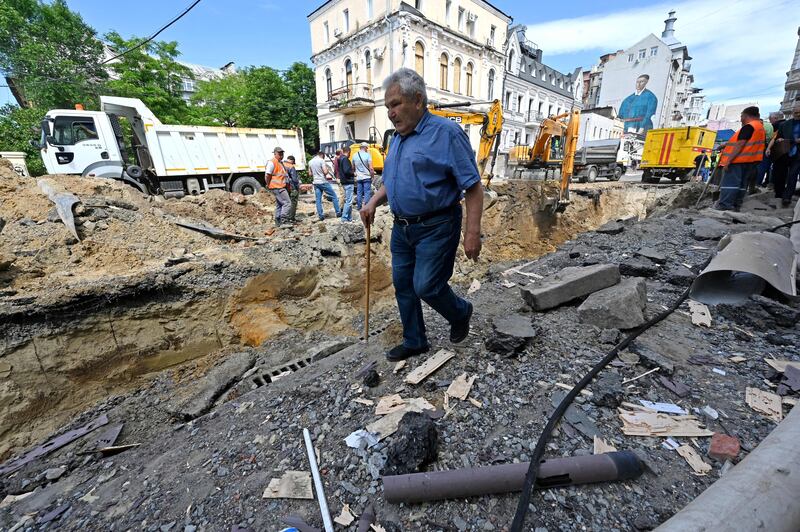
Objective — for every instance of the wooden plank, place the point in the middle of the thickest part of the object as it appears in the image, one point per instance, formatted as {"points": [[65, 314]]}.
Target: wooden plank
{"points": [[767, 403], [460, 387], [423, 371]]}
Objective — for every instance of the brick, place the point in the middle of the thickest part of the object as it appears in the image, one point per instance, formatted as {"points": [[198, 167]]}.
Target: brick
{"points": [[724, 447]]}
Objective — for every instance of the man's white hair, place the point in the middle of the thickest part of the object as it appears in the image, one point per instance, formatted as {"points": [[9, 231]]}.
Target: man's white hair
{"points": [[410, 84], [776, 114]]}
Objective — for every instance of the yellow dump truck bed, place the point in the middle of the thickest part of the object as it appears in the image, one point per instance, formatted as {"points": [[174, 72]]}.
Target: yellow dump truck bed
{"points": [[670, 152]]}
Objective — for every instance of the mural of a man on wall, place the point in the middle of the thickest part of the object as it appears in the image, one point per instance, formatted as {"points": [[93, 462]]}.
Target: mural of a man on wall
{"points": [[638, 109]]}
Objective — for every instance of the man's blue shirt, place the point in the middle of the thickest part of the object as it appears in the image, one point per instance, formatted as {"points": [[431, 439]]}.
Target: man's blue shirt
{"points": [[428, 169]]}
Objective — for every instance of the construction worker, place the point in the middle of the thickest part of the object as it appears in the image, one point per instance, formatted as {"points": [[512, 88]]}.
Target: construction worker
{"points": [[277, 179], [429, 164], [740, 159], [294, 187]]}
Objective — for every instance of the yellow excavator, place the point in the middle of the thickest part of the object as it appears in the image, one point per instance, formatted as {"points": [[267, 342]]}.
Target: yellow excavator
{"points": [[555, 146]]}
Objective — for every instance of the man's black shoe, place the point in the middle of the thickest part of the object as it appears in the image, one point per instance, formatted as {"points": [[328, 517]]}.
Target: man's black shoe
{"points": [[401, 352], [458, 333]]}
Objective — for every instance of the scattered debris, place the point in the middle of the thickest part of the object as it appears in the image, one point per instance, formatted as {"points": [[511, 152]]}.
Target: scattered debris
{"points": [[460, 387], [737, 359], [570, 283], [645, 374], [474, 287], [617, 307], [694, 460], [678, 388], [601, 446], [389, 404], [414, 446], [648, 423], [708, 412], [791, 378], [767, 403], [361, 439], [345, 518], [387, 425], [371, 378], [363, 401], [781, 365], [701, 315], [511, 335], [424, 370], [507, 284], [64, 202], [291, 485], [576, 417], [400, 365], [669, 408], [213, 232], [607, 390], [366, 519], [585, 393], [701, 360], [719, 371], [475, 402], [611, 227], [724, 447]]}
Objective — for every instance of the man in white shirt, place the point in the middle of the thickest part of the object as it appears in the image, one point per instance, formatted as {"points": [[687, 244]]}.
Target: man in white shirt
{"points": [[362, 161], [320, 173]]}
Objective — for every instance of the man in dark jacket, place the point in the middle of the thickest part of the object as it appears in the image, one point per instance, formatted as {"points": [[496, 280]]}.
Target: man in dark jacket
{"points": [[788, 134], [347, 178], [293, 187]]}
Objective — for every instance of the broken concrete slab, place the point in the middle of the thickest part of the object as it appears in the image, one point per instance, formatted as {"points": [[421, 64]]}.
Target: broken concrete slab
{"points": [[652, 254], [607, 390], [610, 228], [511, 334], [205, 391], [650, 359], [679, 275], [617, 307], [709, 229], [568, 284], [638, 267]]}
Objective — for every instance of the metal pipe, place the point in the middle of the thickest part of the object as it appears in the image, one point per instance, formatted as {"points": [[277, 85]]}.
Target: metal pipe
{"points": [[506, 478], [323, 503]]}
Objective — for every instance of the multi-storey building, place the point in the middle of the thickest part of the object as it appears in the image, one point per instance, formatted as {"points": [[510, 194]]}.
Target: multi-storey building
{"points": [[792, 95], [533, 91], [202, 73], [456, 45]]}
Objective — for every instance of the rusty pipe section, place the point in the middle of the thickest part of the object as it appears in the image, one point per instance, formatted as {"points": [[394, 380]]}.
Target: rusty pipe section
{"points": [[506, 478]]}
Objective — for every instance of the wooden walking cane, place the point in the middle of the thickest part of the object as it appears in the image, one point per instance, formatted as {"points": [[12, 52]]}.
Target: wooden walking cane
{"points": [[366, 311]]}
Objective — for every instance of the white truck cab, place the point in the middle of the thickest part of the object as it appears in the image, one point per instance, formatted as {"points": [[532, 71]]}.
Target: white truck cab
{"points": [[73, 141]]}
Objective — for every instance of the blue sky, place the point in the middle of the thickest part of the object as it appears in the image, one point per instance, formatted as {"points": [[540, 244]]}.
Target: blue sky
{"points": [[575, 33]]}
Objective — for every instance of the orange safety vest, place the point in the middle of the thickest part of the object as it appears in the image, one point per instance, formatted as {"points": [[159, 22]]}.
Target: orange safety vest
{"points": [[279, 175], [753, 151]]}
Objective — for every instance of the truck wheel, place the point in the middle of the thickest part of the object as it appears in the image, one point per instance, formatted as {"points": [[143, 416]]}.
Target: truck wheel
{"points": [[648, 178], [591, 175], [246, 185], [134, 171], [618, 171]]}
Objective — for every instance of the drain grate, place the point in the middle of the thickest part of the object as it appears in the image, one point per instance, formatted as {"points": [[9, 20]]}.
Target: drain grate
{"points": [[380, 330]]}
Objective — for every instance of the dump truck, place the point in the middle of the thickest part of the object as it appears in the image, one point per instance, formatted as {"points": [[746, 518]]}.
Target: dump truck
{"points": [[601, 158], [172, 160], [670, 152]]}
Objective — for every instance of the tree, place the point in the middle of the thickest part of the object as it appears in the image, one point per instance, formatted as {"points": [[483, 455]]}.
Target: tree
{"points": [[152, 74], [18, 126], [49, 56], [303, 92], [220, 101]]}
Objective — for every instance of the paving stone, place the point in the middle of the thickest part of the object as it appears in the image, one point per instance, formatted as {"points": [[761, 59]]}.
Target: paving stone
{"points": [[724, 447], [617, 307], [569, 284]]}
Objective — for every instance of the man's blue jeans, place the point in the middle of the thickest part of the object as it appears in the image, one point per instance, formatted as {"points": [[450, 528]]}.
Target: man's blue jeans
{"points": [[347, 208], [734, 185], [363, 192], [328, 190], [423, 255]]}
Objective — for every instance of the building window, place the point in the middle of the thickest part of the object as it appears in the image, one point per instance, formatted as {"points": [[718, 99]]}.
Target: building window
{"points": [[331, 133], [369, 9], [510, 60], [447, 8], [630, 58], [419, 59], [346, 20], [327, 32], [443, 72], [418, 4], [457, 76], [460, 19], [469, 79], [187, 85], [642, 53], [368, 66], [348, 73], [471, 19], [328, 82], [519, 104], [492, 31], [490, 92], [507, 103], [654, 51]]}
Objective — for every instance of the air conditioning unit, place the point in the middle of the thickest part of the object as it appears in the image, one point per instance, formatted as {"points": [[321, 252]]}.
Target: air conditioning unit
{"points": [[471, 17], [337, 32]]}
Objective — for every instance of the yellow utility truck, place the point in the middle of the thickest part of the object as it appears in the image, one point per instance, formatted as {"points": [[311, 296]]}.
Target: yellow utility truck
{"points": [[670, 152]]}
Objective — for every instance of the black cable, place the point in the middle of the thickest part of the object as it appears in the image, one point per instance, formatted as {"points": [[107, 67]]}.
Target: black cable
{"points": [[787, 224], [153, 36], [538, 453]]}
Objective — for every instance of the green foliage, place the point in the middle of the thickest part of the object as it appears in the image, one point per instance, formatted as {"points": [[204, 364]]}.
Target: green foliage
{"points": [[262, 97], [152, 74], [18, 127], [49, 56]]}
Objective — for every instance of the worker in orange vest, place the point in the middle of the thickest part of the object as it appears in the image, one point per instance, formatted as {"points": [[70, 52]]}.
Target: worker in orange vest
{"points": [[740, 159], [277, 179]]}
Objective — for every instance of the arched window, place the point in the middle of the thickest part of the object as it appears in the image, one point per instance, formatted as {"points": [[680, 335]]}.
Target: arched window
{"points": [[443, 72], [469, 79], [348, 73], [490, 95], [328, 82], [457, 76], [510, 60], [419, 59], [368, 66]]}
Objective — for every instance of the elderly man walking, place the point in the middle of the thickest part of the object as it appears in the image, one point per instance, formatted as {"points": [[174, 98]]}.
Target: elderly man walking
{"points": [[320, 172], [277, 179], [429, 165]]}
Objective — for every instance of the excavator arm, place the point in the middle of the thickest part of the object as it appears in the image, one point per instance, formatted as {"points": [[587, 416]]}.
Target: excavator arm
{"points": [[491, 122]]}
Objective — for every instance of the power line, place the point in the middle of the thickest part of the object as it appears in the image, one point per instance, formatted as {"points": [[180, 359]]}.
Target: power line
{"points": [[153, 36]]}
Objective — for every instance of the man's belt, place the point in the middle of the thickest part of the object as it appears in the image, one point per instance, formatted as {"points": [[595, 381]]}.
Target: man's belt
{"points": [[410, 220]]}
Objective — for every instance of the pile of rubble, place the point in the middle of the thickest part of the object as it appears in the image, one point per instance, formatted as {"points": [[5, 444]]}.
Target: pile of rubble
{"points": [[690, 397]]}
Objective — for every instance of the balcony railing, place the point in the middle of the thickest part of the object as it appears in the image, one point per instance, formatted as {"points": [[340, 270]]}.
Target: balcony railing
{"points": [[351, 98], [535, 116]]}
